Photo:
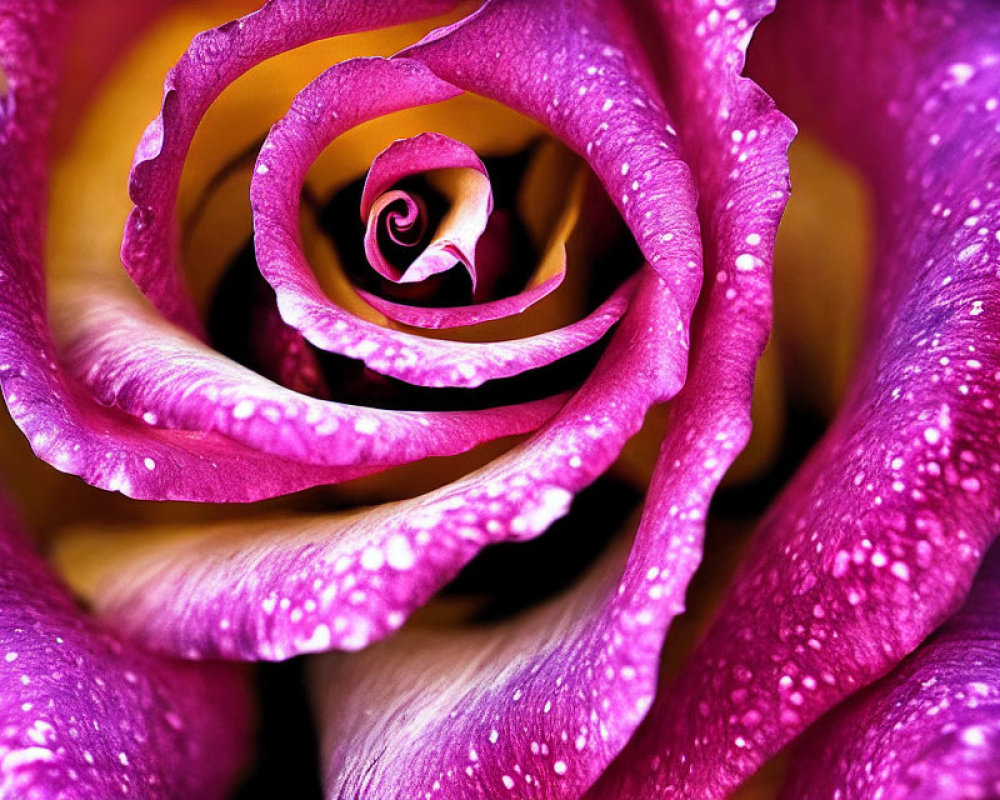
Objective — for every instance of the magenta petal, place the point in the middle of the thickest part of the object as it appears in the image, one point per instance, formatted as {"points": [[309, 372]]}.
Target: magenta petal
{"points": [[68, 428], [930, 729], [130, 358], [342, 97], [64, 425], [406, 157], [84, 714], [458, 316], [214, 60], [345, 581], [879, 536], [456, 239]]}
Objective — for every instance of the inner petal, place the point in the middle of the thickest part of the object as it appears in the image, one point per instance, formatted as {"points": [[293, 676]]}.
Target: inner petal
{"points": [[398, 218], [404, 245]]}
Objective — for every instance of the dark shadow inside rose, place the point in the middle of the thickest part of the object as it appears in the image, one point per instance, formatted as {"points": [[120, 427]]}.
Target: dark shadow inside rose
{"points": [[244, 325], [511, 577], [287, 762]]}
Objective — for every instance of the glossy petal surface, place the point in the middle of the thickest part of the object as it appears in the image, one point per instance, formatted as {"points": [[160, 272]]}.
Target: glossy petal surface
{"points": [[85, 714], [214, 60], [929, 729], [879, 536], [368, 572], [65, 426], [342, 97]]}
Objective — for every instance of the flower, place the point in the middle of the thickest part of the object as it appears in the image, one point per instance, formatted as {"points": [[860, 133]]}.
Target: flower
{"points": [[871, 546]]}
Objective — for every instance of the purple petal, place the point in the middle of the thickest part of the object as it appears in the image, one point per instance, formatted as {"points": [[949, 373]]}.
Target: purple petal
{"points": [[589, 101], [455, 240], [928, 730], [311, 584], [342, 97], [548, 276], [132, 359], [538, 706], [65, 426], [214, 60], [877, 539], [406, 157], [85, 714]]}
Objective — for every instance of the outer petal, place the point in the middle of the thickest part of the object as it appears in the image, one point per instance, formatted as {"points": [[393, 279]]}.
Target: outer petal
{"points": [[538, 706], [307, 585], [214, 60], [928, 730], [84, 714], [877, 539], [64, 425]]}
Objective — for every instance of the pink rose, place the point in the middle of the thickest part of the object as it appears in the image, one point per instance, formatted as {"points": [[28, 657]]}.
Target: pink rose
{"points": [[293, 375]]}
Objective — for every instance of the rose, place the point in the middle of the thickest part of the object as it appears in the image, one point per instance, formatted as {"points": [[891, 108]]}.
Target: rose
{"points": [[633, 669]]}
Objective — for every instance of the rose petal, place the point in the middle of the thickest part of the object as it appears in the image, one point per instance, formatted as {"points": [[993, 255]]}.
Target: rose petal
{"points": [[877, 539], [930, 729], [455, 240], [85, 714], [511, 710], [214, 60], [342, 97], [171, 380], [132, 359], [547, 278], [178, 594], [405, 157]]}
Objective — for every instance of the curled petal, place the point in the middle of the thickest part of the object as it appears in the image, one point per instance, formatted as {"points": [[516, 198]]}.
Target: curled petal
{"points": [[130, 358], [877, 539], [470, 198], [421, 153], [547, 278], [214, 60], [342, 97], [312, 584], [85, 714], [589, 100], [63, 423], [930, 729]]}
